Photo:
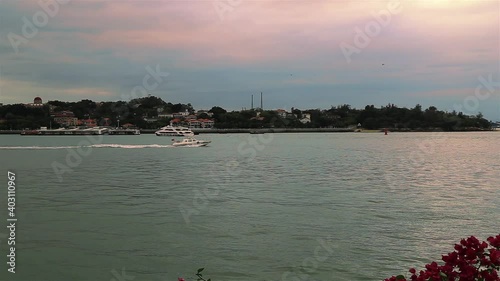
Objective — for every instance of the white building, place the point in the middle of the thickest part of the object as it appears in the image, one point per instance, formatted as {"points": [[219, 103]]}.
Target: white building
{"points": [[165, 115], [282, 113], [306, 118]]}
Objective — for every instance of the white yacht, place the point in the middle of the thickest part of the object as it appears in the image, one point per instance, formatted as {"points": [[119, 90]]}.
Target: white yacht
{"points": [[172, 131], [191, 142]]}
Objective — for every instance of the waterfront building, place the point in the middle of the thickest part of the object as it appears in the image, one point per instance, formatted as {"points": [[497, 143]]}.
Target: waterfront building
{"points": [[282, 113], [87, 123], [65, 118]]}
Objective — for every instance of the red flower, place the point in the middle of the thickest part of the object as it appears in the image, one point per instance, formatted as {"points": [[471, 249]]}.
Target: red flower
{"points": [[494, 241], [472, 260], [495, 257]]}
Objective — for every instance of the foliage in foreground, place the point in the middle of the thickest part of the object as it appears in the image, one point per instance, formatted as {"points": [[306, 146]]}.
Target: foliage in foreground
{"points": [[198, 275], [471, 260]]}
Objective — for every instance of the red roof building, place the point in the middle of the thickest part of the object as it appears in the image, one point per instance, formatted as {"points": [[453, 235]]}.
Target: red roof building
{"points": [[88, 123]]}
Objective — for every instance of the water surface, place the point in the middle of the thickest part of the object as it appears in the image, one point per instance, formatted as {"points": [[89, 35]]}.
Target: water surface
{"points": [[345, 206]]}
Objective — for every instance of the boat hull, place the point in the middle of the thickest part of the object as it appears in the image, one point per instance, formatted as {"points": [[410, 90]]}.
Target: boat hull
{"points": [[124, 132], [190, 142], [168, 134], [66, 132], [190, 145]]}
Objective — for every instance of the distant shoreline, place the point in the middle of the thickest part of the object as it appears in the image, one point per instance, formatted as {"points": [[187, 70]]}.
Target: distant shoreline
{"points": [[291, 130]]}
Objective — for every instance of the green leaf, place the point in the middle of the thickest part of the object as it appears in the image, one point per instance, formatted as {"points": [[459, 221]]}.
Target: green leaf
{"points": [[200, 269], [209, 279], [400, 277]]}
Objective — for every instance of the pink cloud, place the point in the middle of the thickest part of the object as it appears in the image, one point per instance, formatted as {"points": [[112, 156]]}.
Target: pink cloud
{"points": [[274, 31], [253, 31]]}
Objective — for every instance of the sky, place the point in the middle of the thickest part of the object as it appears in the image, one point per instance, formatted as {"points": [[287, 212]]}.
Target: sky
{"points": [[298, 53]]}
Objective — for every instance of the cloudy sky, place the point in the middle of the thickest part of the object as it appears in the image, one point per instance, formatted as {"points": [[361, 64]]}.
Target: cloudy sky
{"points": [[303, 54]]}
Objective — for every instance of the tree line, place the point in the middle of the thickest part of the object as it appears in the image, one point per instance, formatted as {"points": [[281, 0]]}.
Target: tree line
{"points": [[344, 116], [143, 113]]}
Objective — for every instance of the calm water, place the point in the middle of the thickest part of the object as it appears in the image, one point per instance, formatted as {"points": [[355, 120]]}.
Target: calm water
{"points": [[249, 207]]}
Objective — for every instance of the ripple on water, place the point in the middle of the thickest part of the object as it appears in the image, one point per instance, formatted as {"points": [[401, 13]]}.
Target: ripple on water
{"points": [[383, 203]]}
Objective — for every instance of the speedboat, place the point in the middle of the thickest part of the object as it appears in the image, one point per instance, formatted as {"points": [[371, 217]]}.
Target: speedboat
{"points": [[172, 131], [190, 142]]}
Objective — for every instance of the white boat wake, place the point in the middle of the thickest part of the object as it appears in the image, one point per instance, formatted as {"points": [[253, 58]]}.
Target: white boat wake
{"points": [[129, 146], [124, 146]]}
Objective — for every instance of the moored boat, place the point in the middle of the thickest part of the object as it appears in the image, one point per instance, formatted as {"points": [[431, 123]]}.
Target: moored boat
{"points": [[172, 131], [124, 132], [43, 131], [30, 132]]}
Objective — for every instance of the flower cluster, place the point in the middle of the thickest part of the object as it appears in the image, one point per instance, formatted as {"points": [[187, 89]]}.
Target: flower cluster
{"points": [[472, 260]]}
